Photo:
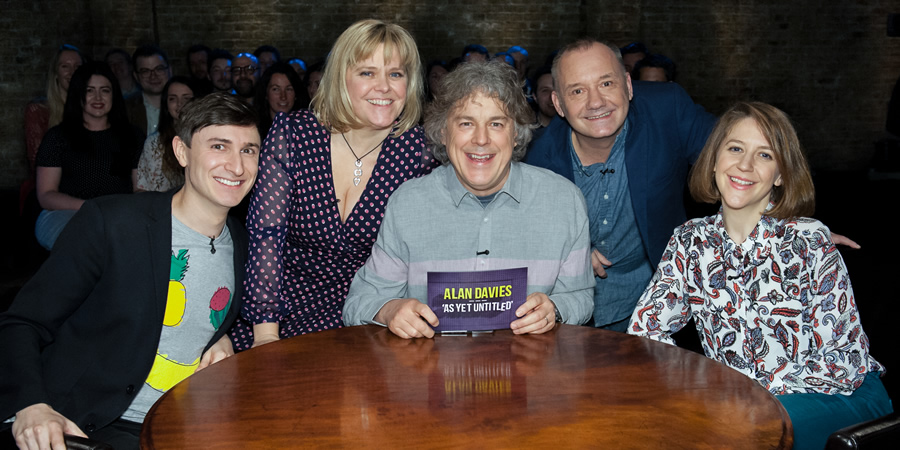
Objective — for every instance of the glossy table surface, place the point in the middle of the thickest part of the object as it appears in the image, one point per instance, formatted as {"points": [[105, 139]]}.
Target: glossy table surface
{"points": [[363, 386]]}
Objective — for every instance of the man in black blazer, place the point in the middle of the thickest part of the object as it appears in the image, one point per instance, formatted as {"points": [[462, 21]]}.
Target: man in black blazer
{"points": [[133, 297]]}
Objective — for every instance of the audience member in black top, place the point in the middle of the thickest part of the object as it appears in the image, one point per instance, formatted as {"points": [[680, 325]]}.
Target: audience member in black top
{"points": [[220, 70], [93, 152], [198, 66], [266, 55], [632, 53]]}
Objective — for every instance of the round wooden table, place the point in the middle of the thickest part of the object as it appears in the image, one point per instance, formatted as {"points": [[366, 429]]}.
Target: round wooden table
{"points": [[363, 386]]}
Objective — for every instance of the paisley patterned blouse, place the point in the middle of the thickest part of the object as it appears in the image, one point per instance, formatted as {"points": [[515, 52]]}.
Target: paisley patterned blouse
{"points": [[778, 307]]}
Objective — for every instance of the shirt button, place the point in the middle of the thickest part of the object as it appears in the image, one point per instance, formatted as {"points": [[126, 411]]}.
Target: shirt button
{"points": [[605, 222], [605, 196], [130, 389], [602, 242], [485, 219], [90, 428]]}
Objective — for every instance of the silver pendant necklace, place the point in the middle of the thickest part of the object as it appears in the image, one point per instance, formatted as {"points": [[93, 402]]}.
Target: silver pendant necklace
{"points": [[358, 171]]}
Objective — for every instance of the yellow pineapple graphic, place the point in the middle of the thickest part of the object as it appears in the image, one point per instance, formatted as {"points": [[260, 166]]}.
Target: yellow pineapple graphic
{"points": [[176, 299]]}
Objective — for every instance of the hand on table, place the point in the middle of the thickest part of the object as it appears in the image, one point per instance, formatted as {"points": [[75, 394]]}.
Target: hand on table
{"points": [[408, 318], [40, 427], [219, 351], [599, 263], [537, 315]]}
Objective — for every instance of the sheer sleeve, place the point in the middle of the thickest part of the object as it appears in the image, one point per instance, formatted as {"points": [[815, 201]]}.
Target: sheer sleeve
{"points": [[268, 222]]}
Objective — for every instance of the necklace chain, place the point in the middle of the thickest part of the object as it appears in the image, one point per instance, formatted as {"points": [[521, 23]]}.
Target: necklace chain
{"points": [[358, 171]]}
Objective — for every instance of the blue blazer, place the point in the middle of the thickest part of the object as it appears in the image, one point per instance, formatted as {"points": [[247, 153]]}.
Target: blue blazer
{"points": [[82, 334], [667, 131]]}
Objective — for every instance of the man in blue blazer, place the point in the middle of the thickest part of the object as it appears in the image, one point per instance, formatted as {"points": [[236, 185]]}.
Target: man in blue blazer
{"points": [[628, 146], [137, 294]]}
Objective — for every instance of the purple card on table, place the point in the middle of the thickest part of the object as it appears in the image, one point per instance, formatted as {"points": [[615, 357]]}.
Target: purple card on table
{"points": [[477, 301]]}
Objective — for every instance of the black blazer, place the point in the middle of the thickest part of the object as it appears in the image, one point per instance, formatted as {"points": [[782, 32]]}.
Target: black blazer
{"points": [[82, 334]]}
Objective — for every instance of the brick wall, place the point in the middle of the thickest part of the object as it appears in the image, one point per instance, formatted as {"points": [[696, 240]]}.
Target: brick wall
{"points": [[831, 67]]}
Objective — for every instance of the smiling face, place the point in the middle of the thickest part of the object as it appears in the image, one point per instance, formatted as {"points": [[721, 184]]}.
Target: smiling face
{"points": [[153, 73], [280, 94], [98, 98], [377, 90], [220, 165], [178, 95], [65, 67], [592, 93], [480, 137], [746, 170]]}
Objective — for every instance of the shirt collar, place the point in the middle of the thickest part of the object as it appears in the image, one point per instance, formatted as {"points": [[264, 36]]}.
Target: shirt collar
{"points": [[617, 148], [513, 186]]}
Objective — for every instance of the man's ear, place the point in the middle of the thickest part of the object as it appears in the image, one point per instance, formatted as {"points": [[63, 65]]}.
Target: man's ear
{"points": [[556, 104], [181, 150]]}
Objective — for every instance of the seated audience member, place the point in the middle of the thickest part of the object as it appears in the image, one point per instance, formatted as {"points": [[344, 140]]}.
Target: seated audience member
{"points": [[546, 112], [475, 213], [766, 286], [331, 168], [475, 52], [520, 62], [266, 55], [93, 152], [313, 79], [158, 169], [299, 66], [198, 68], [654, 67], [434, 73], [244, 75], [152, 70], [43, 113], [280, 91], [220, 70], [631, 54], [119, 61], [137, 295]]}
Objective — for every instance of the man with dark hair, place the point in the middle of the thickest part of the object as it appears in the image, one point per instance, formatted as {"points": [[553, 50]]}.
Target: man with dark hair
{"points": [[628, 146], [654, 67], [152, 72], [198, 66], [461, 216], [244, 75], [219, 70], [137, 294], [632, 53], [543, 81], [266, 55]]}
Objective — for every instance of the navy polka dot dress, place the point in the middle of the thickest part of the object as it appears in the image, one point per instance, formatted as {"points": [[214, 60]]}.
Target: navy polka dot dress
{"points": [[302, 257]]}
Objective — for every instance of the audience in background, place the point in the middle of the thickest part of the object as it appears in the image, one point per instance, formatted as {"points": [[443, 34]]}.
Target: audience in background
{"points": [[158, 169], [654, 67], [93, 152], [280, 91], [545, 111], [313, 79], [632, 53], [475, 52], [44, 113], [434, 73], [198, 69], [119, 61], [266, 55], [299, 66], [220, 70], [152, 71], [244, 74]]}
